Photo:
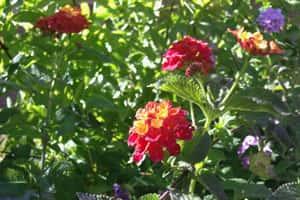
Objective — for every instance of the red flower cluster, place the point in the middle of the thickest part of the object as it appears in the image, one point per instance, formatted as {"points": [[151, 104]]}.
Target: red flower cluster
{"points": [[255, 43], [190, 54], [66, 20], [158, 126]]}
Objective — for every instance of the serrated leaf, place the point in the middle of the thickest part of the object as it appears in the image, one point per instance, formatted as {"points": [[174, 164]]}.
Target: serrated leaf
{"points": [[242, 189], [251, 104], [186, 88], [149, 197], [262, 94], [256, 100], [287, 191], [182, 196]]}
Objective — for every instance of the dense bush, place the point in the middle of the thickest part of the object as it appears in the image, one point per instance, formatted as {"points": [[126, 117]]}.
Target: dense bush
{"points": [[70, 92]]}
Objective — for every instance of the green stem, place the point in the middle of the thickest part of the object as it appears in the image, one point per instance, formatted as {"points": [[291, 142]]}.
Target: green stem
{"points": [[46, 136], [193, 114], [199, 80], [284, 89], [207, 124], [207, 116], [206, 128], [192, 186], [236, 82]]}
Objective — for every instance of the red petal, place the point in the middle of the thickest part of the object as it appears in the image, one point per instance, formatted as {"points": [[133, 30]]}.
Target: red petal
{"points": [[173, 149], [137, 157], [132, 139], [156, 152]]}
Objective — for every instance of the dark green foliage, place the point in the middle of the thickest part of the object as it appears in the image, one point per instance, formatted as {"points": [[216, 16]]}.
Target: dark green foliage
{"points": [[78, 94]]}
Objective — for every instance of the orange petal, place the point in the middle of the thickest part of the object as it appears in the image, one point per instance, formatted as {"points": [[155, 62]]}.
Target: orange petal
{"points": [[236, 32], [274, 48], [156, 123]]}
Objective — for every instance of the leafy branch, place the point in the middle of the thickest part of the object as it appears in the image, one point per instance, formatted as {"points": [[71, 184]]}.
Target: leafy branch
{"points": [[5, 49]]}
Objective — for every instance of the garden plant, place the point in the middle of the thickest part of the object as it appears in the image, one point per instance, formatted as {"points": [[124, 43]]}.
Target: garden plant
{"points": [[150, 100]]}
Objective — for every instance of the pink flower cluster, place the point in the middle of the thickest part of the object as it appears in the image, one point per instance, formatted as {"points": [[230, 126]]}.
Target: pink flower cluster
{"points": [[157, 127], [189, 54]]}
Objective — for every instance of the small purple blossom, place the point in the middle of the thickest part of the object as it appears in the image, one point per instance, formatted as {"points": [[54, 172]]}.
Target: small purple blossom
{"points": [[120, 192], [246, 161], [249, 140], [267, 149], [271, 20]]}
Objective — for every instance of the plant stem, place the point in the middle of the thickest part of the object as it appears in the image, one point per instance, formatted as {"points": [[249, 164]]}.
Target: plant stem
{"points": [[193, 180], [192, 186], [45, 136], [193, 114], [207, 124], [236, 82], [284, 89]]}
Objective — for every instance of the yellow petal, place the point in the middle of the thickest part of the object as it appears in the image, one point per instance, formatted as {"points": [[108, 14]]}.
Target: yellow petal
{"points": [[140, 127]]}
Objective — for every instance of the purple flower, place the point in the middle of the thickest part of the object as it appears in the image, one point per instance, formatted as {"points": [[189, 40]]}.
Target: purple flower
{"points": [[267, 149], [246, 161], [120, 192], [249, 140], [271, 20]]}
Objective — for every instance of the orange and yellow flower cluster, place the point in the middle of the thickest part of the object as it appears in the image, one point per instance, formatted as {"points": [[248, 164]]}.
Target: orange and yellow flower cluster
{"points": [[254, 43], [159, 126]]}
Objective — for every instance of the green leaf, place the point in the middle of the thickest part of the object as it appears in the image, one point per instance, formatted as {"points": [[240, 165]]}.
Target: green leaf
{"points": [[68, 125], [27, 16], [150, 197], [260, 165], [182, 196], [256, 100], [6, 113], [87, 53], [186, 88], [2, 5], [13, 187], [287, 191], [251, 104], [12, 68], [99, 101], [242, 189], [196, 150], [212, 183]]}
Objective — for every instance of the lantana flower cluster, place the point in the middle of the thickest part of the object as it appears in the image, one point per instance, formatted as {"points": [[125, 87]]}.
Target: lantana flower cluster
{"points": [[158, 126], [66, 20], [189, 54], [254, 42]]}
